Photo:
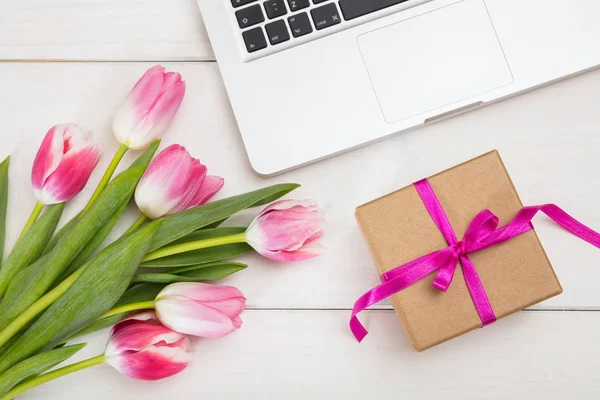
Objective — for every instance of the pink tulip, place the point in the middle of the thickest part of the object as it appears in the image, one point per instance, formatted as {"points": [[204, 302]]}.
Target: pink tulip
{"points": [[200, 309], [174, 182], [286, 231], [63, 164], [141, 348], [149, 108]]}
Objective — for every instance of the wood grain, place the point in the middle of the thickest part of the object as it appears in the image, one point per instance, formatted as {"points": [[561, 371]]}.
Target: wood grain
{"points": [[311, 355], [102, 30]]}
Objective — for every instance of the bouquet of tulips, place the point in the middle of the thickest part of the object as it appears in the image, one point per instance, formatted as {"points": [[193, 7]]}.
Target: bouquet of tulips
{"points": [[56, 286]]}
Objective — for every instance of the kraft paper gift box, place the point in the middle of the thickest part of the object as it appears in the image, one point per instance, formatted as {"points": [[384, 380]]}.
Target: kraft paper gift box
{"points": [[515, 274]]}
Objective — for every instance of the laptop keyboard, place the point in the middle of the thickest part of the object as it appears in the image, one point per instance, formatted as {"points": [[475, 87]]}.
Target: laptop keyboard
{"points": [[278, 23]]}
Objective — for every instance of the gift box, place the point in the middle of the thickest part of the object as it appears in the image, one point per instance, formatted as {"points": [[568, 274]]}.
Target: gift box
{"points": [[514, 274]]}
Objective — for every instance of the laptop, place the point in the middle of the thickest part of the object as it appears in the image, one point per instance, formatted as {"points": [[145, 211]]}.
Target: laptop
{"points": [[308, 79]]}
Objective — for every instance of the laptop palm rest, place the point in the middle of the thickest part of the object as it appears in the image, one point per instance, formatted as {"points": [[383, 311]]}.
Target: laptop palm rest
{"points": [[428, 62]]}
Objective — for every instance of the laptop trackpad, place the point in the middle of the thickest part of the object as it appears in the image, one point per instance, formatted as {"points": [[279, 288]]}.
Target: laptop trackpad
{"points": [[433, 60]]}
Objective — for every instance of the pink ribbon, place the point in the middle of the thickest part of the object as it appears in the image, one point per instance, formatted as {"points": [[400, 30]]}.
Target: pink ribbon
{"points": [[482, 233]]}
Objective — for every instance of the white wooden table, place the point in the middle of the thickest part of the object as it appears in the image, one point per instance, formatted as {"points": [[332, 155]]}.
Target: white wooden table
{"points": [[74, 60]]}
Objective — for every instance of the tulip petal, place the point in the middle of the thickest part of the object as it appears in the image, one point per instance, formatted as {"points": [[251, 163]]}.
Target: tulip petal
{"points": [[146, 316], [231, 307], [159, 117], [147, 90], [165, 181], [284, 230], [308, 251], [209, 187], [64, 163], [199, 291], [71, 176], [195, 179], [155, 362], [237, 322], [170, 79], [136, 337], [142, 348], [287, 204], [48, 156], [198, 320], [138, 103], [315, 236], [287, 230]]}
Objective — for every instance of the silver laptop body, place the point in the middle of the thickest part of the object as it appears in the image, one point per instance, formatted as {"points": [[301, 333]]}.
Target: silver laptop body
{"points": [[308, 80]]}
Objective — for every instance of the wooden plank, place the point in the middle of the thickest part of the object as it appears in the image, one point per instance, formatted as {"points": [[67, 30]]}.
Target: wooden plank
{"points": [[548, 138], [102, 30], [311, 355]]}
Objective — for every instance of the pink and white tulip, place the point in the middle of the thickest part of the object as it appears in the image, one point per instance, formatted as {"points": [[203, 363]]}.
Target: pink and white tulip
{"points": [[174, 182], [286, 231], [142, 348], [64, 162], [149, 108], [201, 309]]}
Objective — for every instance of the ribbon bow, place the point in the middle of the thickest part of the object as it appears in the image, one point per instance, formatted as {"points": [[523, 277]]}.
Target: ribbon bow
{"points": [[483, 232]]}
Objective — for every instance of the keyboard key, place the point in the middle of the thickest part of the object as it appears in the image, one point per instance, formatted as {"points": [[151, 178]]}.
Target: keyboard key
{"points": [[239, 3], [354, 9], [300, 24], [277, 32], [275, 8], [254, 39], [325, 16], [249, 16], [319, 1], [296, 5]]}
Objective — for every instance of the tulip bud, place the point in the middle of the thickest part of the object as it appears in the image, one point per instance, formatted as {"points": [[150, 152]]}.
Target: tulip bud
{"points": [[286, 231], [141, 348], [63, 164], [174, 182], [149, 108], [200, 309]]}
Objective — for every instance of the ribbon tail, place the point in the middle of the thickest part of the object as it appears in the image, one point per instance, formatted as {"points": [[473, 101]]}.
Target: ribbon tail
{"points": [[569, 223], [522, 223], [374, 296], [394, 281]]}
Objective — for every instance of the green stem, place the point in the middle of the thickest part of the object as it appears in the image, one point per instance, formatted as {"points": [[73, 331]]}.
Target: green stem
{"points": [[37, 307], [107, 175], [37, 210], [139, 222], [50, 376], [197, 245], [142, 305]]}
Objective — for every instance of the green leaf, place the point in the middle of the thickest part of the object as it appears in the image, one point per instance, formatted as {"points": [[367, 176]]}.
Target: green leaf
{"points": [[96, 241], [197, 273], [4, 348], [30, 247], [209, 234], [68, 227], [208, 255], [100, 324], [178, 225], [99, 287], [72, 242], [21, 280], [140, 293], [142, 161], [136, 294], [22, 296], [3, 202], [36, 365]]}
